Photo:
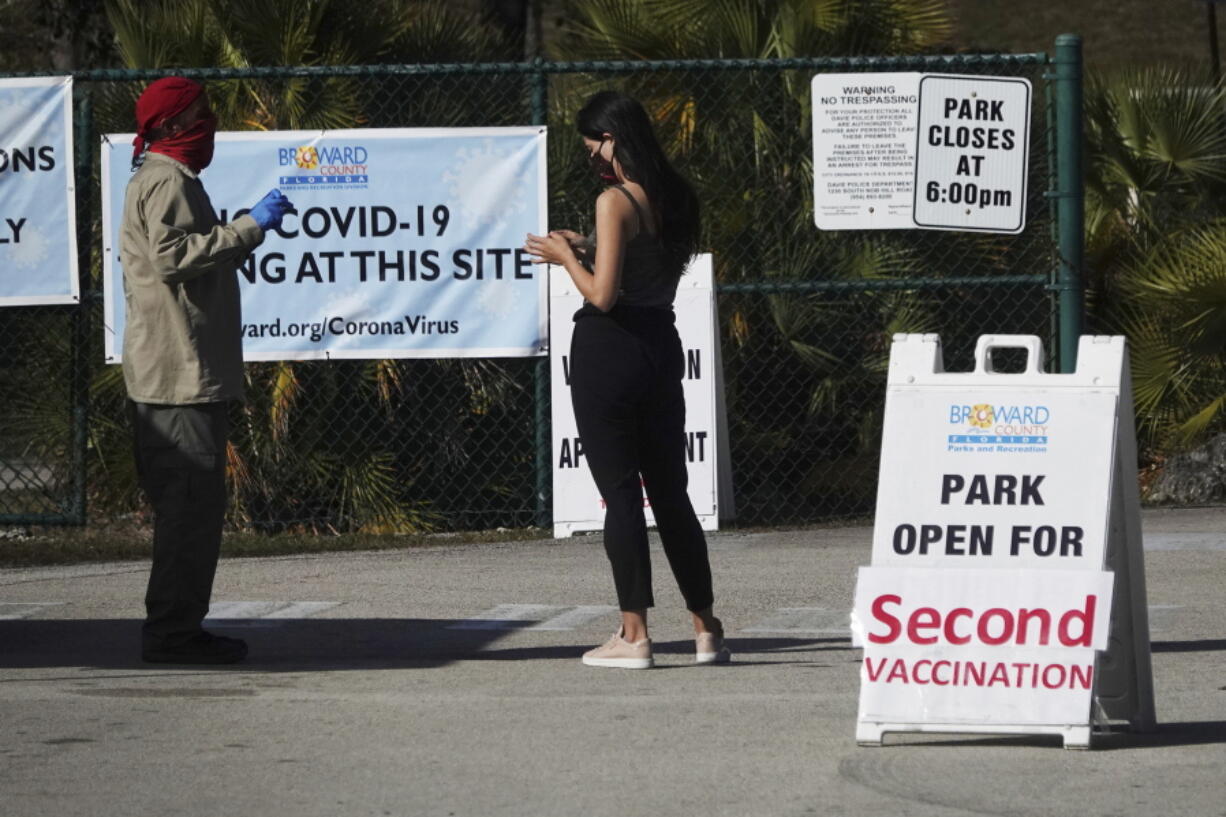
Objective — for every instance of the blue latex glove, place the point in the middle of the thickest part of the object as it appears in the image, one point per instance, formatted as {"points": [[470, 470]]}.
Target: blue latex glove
{"points": [[271, 209]]}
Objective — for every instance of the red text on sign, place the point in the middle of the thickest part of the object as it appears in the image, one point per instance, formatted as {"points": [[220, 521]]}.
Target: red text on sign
{"points": [[994, 626]]}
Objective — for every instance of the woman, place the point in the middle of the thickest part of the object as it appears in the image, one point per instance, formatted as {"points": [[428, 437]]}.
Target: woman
{"points": [[626, 369]]}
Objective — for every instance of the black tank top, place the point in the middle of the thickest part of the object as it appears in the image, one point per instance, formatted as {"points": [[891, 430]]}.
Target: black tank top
{"points": [[646, 281]]}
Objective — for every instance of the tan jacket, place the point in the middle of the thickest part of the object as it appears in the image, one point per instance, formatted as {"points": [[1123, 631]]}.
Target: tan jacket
{"points": [[183, 337]]}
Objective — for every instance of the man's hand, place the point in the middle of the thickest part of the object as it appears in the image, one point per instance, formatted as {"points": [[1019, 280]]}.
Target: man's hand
{"points": [[270, 210]]}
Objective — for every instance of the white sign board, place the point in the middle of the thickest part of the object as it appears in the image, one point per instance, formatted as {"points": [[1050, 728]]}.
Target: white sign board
{"points": [[577, 505], [979, 647], [864, 150], [404, 242], [905, 150], [1006, 549], [38, 227], [993, 478], [972, 153]]}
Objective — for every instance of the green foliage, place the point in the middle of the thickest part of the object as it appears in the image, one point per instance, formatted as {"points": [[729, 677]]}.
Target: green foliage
{"points": [[726, 29], [1174, 314], [1156, 242]]}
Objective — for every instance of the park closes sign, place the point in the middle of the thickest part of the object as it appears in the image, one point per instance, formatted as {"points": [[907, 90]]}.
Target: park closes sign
{"points": [[906, 150], [971, 154]]}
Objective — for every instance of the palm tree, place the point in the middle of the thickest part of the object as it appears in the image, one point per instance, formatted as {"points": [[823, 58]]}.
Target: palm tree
{"points": [[1156, 239]]}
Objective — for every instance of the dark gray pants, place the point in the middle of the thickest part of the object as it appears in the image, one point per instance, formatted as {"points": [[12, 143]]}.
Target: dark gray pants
{"points": [[181, 465]]}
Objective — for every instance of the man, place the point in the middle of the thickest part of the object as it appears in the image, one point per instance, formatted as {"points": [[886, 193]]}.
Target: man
{"points": [[183, 358]]}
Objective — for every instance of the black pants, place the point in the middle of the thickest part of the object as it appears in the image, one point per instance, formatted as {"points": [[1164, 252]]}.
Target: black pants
{"points": [[625, 385], [181, 464]]}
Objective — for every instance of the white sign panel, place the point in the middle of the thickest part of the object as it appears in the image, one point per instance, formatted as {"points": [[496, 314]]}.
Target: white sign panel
{"points": [[38, 229], [405, 243], [989, 591], [864, 150], [577, 505], [973, 647], [973, 147], [983, 475]]}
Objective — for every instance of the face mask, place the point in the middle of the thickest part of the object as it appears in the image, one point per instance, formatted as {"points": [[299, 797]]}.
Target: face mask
{"points": [[192, 146], [602, 166]]}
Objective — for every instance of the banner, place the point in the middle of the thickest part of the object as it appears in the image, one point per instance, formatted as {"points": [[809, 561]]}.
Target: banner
{"points": [[38, 228], [405, 243]]}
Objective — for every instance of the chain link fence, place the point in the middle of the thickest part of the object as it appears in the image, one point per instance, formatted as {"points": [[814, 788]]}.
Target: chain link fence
{"points": [[806, 317]]}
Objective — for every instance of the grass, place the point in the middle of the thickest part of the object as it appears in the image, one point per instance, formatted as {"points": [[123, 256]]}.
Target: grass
{"points": [[130, 541]]}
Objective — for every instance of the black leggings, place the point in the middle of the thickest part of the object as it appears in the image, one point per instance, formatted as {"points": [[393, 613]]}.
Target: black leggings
{"points": [[625, 385]]}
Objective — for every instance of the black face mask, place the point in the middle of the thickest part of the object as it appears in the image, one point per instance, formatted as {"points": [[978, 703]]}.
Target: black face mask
{"points": [[602, 166]]}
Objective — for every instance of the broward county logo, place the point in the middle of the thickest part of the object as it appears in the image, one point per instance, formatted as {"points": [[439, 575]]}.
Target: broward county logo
{"points": [[332, 166], [307, 157], [982, 416], [1002, 428]]}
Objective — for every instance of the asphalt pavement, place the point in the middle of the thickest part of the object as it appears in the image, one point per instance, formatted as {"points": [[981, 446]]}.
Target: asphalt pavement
{"points": [[446, 681]]}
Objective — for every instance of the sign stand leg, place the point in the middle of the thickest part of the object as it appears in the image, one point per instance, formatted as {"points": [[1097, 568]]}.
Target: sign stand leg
{"points": [[1124, 687], [1076, 737], [869, 734]]}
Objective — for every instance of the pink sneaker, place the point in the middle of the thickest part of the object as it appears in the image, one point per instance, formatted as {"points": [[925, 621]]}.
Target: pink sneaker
{"points": [[709, 647], [618, 652]]}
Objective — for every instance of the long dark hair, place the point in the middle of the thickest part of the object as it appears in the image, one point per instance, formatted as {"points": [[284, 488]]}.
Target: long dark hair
{"points": [[643, 161]]}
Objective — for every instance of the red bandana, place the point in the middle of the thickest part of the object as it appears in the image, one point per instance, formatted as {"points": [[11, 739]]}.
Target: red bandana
{"points": [[162, 100]]}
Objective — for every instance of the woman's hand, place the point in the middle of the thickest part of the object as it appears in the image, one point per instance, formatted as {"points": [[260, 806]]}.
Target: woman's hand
{"points": [[554, 248], [572, 238]]}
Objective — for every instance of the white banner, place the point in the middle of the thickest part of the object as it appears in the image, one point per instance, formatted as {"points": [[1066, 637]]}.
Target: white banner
{"points": [[38, 228], [405, 243], [979, 647], [577, 505]]}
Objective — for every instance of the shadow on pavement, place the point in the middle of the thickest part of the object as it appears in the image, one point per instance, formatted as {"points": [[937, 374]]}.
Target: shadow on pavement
{"points": [[1185, 733], [1190, 733], [1206, 645], [316, 644], [744, 650], [334, 644]]}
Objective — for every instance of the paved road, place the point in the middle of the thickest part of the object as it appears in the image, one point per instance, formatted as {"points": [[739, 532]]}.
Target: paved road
{"points": [[446, 681]]}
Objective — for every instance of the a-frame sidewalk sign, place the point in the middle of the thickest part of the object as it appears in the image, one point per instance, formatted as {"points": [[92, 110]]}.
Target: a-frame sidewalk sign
{"points": [[1006, 593]]}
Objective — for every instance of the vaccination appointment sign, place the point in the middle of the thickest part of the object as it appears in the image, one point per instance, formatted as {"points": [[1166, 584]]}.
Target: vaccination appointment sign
{"points": [[38, 233], [404, 243]]}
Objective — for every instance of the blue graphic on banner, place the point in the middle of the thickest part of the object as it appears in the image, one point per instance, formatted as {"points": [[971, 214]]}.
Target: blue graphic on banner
{"points": [[403, 243], [38, 235]]}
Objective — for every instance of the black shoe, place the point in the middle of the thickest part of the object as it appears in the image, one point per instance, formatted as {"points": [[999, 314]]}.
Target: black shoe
{"points": [[203, 648]]}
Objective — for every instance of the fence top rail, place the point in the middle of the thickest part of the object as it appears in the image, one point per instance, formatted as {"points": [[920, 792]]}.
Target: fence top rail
{"points": [[539, 66]]}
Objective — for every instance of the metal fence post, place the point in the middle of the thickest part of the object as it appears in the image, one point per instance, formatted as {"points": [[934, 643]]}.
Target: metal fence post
{"points": [[1070, 202], [83, 147], [540, 372]]}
